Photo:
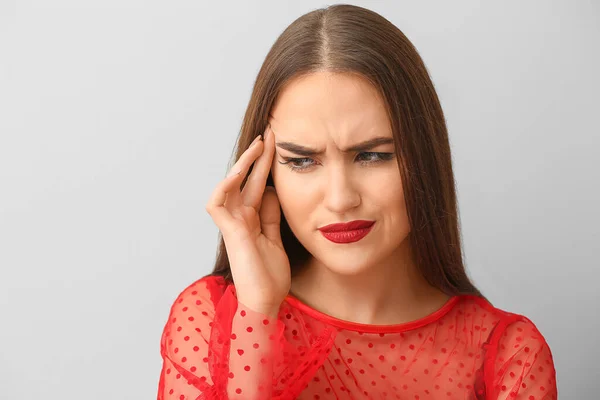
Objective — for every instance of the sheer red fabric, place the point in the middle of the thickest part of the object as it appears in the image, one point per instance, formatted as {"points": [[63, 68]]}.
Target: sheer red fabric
{"points": [[213, 347]]}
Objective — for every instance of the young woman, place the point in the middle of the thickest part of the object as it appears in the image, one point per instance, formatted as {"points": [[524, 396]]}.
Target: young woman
{"points": [[340, 273]]}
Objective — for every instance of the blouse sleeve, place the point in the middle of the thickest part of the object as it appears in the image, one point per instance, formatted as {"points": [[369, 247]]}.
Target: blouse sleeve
{"points": [[523, 367], [224, 350]]}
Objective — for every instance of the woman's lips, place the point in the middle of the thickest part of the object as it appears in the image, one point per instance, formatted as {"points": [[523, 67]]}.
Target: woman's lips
{"points": [[347, 226], [339, 233]]}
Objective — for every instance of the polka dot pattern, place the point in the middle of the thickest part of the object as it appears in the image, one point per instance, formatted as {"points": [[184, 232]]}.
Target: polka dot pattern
{"points": [[214, 347]]}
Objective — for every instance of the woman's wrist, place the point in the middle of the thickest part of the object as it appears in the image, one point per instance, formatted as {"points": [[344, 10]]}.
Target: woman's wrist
{"points": [[271, 311]]}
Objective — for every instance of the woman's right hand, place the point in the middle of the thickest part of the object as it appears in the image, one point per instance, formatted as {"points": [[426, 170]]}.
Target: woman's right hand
{"points": [[249, 222]]}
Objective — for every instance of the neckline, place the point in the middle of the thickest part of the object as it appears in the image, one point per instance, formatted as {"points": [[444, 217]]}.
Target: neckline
{"points": [[370, 328]]}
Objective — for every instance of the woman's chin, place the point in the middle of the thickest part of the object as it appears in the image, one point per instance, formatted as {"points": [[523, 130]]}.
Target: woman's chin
{"points": [[347, 264]]}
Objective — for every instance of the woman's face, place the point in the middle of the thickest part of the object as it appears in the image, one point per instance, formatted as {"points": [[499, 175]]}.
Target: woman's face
{"points": [[329, 113]]}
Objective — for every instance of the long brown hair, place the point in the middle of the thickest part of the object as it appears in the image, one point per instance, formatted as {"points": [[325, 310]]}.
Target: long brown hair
{"points": [[350, 39]]}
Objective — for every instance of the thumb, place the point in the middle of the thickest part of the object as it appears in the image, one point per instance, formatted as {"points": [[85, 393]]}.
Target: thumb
{"points": [[270, 215]]}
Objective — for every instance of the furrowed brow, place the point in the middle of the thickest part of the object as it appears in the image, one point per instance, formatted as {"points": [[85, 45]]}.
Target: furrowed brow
{"points": [[359, 147]]}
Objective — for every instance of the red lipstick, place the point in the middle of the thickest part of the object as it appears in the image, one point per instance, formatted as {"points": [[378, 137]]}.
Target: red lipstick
{"points": [[348, 232]]}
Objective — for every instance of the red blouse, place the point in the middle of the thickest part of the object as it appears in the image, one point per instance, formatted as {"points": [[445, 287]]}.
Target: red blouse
{"points": [[215, 348]]}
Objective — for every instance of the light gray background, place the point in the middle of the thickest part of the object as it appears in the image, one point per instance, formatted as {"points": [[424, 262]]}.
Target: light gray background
{"points": [[118, 117]]}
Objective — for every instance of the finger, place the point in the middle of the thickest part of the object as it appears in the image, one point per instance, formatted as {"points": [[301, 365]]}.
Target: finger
{"points": [[270, 215], [225, 191], [254, 188], [239, 171], [216, 205]]}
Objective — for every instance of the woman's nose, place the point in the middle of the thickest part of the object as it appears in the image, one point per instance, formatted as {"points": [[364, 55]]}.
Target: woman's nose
{"points": [[340, 192]]}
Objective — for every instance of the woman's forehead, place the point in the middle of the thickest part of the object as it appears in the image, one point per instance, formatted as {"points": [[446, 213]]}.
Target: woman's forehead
{"points": [[343, 131], [320, 96]]}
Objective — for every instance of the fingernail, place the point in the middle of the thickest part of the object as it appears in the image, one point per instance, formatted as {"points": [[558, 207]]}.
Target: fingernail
{"points": [[234, 171], [256, 139]]}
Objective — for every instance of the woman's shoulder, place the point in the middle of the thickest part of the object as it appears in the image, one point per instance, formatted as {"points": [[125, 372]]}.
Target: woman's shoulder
{"points": [[473, 305], [206, 291], [499, 322]]}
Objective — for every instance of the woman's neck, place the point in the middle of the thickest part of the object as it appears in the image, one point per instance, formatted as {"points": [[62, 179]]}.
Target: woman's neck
{"points": [[389, 293]]}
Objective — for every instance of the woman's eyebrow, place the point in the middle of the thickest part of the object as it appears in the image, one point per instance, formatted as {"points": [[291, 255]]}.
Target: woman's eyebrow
{"points": [[308, 152]]}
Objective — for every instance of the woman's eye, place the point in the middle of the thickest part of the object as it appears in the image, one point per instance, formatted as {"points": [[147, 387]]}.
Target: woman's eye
{"points": [[377, 156], [365, 158], [296, 163]]}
